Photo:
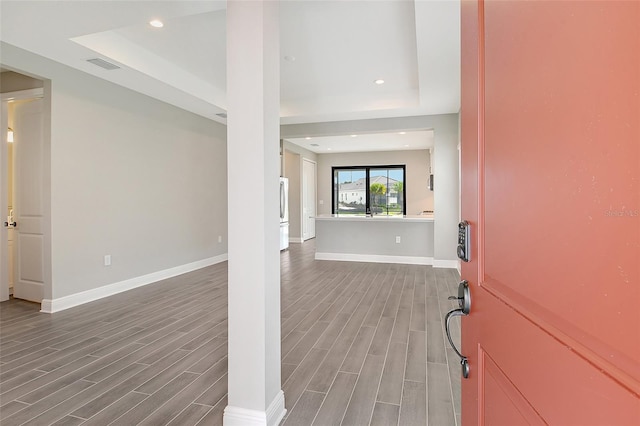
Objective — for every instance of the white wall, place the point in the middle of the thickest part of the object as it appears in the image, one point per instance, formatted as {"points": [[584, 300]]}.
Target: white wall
{"points": [[445, 202], [419, 197], [131, 177], [294, 156], [367, 239], [446, 196], [292, 170]]}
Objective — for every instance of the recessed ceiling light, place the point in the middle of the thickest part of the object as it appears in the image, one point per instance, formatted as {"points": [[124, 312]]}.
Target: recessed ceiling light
{"points": [[402, 133], [354, 136], [379, 81], [308, 137], [406, 145], [156, 23], [290, 58], [328, 149]]}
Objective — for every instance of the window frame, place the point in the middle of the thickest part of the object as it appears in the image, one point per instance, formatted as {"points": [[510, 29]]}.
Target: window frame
{"points": [[367, 169]]}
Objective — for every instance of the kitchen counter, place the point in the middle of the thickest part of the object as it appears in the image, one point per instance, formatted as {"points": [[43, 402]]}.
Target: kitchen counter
{"points": [[356, 218], [386, 239]]}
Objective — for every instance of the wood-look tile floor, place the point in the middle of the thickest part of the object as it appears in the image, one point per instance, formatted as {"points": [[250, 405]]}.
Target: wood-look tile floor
{"points": [[362, 344]]}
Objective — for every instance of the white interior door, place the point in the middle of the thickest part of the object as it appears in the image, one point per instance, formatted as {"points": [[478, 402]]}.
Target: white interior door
{"points": [[28, 199], [308, 199]]}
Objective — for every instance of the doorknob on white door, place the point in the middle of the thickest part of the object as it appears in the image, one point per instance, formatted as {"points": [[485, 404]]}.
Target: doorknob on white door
{"points": [[10, 223]]}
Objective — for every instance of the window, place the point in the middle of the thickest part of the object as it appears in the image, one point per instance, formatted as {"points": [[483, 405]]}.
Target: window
{"points": [[377, 190]]}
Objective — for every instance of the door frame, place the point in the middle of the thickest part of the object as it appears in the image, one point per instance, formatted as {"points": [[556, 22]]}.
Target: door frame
{"points": [[5, 98]]}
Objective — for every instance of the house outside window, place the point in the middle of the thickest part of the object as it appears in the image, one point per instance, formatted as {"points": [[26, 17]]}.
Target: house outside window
{"points": [[375, 190]]}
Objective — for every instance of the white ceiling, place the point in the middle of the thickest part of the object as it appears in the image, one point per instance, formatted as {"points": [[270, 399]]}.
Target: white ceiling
{"points": [[340, 48], [396, 141]]}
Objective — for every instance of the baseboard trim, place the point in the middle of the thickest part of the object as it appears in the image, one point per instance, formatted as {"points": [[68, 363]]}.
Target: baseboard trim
{"points": [[375, 258], [296, 240], [50, 306], [237, 416], [451, 264]]}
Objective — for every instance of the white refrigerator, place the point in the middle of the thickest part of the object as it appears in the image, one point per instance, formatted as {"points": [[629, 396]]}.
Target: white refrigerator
{"points": [[284, 213]]}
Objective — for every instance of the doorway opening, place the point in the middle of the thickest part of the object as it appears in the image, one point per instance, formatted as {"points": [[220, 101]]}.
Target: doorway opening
{"points": [[21, 188]]}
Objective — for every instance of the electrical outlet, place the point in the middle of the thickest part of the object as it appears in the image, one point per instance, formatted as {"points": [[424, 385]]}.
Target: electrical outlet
{"points": [[321, 202], [219, 238], [398, 239], [107, 260]]}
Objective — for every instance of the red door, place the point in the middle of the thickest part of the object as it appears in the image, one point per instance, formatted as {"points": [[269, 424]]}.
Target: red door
{"points": [[551, 187]]}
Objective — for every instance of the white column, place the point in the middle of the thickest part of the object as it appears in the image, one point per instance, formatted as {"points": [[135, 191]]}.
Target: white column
{"points": [[253, 135]]}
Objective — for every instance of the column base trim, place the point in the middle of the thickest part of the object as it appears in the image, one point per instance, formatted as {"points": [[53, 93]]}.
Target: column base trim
{"points": [[238, 416]]}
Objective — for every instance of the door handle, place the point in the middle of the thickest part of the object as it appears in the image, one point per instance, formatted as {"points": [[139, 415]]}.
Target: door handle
{"points": [[464, 303], [463, 298], [10, 224]]}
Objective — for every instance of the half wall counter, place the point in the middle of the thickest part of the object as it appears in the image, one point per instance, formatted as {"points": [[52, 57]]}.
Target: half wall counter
{"points": [[384, 239]]}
